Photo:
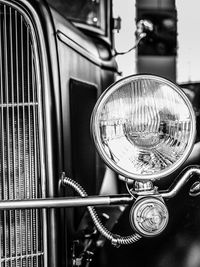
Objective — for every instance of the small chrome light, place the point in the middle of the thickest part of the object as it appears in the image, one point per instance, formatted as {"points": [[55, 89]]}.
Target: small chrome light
{"points": [[149, 216], [143, 127]]}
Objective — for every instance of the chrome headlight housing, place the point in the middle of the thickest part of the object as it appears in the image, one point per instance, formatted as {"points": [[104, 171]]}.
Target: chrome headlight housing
{"points": [[143, 127]]}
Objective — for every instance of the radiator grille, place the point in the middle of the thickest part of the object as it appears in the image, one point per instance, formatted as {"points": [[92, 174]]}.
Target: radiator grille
{"points": [[21, 230]]}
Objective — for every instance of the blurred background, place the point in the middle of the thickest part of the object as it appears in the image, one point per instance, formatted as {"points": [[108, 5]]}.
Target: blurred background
{"points": [[175, 50]]}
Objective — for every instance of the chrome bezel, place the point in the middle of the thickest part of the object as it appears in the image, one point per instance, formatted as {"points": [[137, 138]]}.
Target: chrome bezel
{"points": [[96, 133]]}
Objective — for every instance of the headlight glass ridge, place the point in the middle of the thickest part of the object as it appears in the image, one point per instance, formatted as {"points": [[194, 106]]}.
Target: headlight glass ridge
{"points": [[144, 127]]}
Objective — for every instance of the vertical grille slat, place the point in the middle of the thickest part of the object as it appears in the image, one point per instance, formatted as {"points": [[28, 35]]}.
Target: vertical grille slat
{"points": [[1, 154], [21, 236], [36, 245]]}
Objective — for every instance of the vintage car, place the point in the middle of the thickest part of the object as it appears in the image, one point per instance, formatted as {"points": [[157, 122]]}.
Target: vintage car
{"points": [[72, 139]]}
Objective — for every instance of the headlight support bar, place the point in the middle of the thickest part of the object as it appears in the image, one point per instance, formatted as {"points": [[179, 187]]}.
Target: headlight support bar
{"points": [[83, 201], [64, 202], [91, 201], [180, 182]]}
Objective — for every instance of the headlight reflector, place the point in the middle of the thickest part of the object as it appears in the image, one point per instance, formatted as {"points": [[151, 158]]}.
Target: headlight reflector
{"points": [[143, 127]]}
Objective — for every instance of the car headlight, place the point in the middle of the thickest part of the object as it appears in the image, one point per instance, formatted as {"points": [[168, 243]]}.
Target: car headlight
{"points": [[143, 127]]}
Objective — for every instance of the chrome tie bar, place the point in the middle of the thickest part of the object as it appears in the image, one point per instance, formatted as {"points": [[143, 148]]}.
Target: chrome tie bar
{"points": [[64, 202]]}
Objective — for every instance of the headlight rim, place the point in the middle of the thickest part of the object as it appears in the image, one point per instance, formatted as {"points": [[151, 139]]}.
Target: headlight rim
{"points": [[97, 139]]}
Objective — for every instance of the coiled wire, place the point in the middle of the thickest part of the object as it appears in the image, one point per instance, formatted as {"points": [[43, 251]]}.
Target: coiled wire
{"points": [[116, 240]]}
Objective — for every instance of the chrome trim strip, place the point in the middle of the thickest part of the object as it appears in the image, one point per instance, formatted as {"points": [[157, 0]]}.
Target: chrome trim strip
{"points": [[78, 48], [85, 53]]}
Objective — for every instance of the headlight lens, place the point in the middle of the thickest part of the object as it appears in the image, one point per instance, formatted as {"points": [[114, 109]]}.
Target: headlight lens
{"points": [[143, 127]]}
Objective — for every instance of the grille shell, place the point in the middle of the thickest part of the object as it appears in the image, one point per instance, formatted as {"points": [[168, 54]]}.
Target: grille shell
{"points": [[20, 144]]}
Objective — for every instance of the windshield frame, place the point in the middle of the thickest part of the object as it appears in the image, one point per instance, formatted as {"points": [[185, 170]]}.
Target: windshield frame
{"points": [[103, 30]]}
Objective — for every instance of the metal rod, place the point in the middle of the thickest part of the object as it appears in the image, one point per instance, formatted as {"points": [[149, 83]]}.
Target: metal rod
{"points": [[5, 193], [65, 202], [175, 188], [1, 160]]}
